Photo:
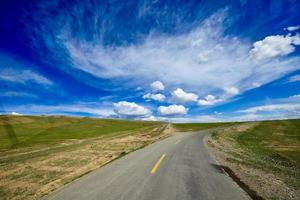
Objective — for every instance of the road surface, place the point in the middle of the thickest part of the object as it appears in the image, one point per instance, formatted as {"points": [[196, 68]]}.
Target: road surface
{"points": [[176, 168]]}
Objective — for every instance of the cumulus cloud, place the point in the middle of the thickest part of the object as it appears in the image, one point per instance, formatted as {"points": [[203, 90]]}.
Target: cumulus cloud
{"points": [[208, 100], [293, 28], [15, 113], [157, 85], [172, 110], [232, 90], [130, 109], [179, 95], [156, 97], [273, 46], [150, 118]]}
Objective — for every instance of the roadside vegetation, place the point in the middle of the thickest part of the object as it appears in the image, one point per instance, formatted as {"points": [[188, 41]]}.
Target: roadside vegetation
{"points": [[263, 155], [38, 154], [185, 127]]}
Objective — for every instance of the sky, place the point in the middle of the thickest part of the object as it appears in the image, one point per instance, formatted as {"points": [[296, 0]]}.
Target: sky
{"points": [[179, 61]]}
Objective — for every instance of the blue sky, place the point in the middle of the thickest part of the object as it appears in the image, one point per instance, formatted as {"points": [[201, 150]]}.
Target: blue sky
{"points": [[151, 60]]}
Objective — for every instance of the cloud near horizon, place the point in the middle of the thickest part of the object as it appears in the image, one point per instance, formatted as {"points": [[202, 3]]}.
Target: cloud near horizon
{"points": [[172, 110], [130, 109]]}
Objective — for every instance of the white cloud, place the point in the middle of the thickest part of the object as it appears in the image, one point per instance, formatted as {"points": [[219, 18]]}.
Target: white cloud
{"points": [[23, 76], [150, 118], [156, 97], [290, 107], [157, 85], [256, 84], [15, 113], [294, 78], [273, 46], [172, 110], [17, 94], [231, 90], [190, 119], [295, 96], [130, 109], [96, 109], [203, 60], [181, 96], [293, 28], [208, 100]]}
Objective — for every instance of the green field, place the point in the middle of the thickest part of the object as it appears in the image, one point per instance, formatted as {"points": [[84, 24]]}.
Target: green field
{"points": [[38, 154], [265, 154], [275, 145], [184, 127], [26, 131]]}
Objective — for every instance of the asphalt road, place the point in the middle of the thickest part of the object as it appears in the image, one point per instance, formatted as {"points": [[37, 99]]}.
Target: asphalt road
{"points": [[178, 167]]}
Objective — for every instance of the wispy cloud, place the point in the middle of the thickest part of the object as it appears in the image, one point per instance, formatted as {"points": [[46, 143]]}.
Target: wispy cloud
{"points": [[203, 60], [94, 109], [17, 94], [23, 76], [274, 107], [15, 70], [204, 57], [278, 109], [294, 79], [293, 28]]}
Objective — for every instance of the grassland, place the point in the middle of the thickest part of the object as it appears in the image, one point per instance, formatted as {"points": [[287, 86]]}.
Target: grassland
{"points": [[26, 131], [184, 127], [40, 154], [264, 155]]}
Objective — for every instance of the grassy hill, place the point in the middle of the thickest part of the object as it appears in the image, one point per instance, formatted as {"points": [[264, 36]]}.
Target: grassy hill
{"points": [[26, 131], [265, 155], [184, 127], [41, 153]]}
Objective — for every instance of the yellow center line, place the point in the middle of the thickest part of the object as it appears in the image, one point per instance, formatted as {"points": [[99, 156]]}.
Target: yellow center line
{"points": [[177, 142], [157, 164]]}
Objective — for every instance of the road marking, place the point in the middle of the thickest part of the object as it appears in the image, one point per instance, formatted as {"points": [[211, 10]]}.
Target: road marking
{"points": [[177, 141], [157, 164]]}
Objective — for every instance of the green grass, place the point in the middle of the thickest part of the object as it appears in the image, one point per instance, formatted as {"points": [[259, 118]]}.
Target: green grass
{"points": [[184, 127], [26, 131], [274, 146], [279, 140]]}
